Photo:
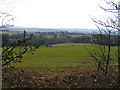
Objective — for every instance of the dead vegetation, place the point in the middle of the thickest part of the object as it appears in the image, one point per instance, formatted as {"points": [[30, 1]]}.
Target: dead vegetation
{"points": [[23, 79]]}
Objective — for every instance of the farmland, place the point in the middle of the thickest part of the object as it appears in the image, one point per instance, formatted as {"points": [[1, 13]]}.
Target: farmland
{"points": [[65, 65], [60, 58]]}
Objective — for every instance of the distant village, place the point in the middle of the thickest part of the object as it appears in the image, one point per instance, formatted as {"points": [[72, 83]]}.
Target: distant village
{"points": [[61, 34]]}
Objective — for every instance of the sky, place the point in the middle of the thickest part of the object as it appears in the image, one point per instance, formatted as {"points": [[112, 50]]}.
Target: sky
{"points": [[53, 13]]}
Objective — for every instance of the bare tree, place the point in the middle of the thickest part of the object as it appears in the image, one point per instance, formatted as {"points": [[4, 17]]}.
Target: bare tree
{"points": [[10, 54], [102, 53], [5, 19], [16, 50], [112, 25]]}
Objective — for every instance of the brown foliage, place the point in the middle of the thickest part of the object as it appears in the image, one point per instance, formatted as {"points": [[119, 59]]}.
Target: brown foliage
{"points": [[23, 79]]}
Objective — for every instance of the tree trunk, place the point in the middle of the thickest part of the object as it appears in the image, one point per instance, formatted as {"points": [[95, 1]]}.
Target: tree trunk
{"points": [[109, 51], [119, 59], [119, 44]]}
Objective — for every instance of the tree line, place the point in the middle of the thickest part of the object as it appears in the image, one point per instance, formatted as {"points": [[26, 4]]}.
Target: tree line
{"points": [[8, 39]]}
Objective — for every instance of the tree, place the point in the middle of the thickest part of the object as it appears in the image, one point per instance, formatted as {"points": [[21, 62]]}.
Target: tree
{"points": [[5, 19], [102, 53], [15, 51], [112, 25]]}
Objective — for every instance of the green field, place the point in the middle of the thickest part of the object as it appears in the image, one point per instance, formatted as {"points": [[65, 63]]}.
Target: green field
{"points": [[65, 57]]}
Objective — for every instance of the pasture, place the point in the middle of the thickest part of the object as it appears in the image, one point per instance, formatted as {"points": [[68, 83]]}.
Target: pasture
{"points": [[60, 58]]}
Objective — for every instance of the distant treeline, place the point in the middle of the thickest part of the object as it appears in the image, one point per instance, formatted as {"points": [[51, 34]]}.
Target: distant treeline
{"points": [[104, 39], [9, 39]]}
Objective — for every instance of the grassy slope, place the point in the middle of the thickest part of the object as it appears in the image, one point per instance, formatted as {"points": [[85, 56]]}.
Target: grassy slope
{"points": [[65, 57]]}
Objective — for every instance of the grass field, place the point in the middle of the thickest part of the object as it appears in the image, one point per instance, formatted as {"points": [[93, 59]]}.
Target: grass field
{"points": [[66, 65], [59, 58]]}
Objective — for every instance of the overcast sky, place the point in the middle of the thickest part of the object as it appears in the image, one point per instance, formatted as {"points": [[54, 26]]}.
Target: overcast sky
{"points": [[53, 13]]}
